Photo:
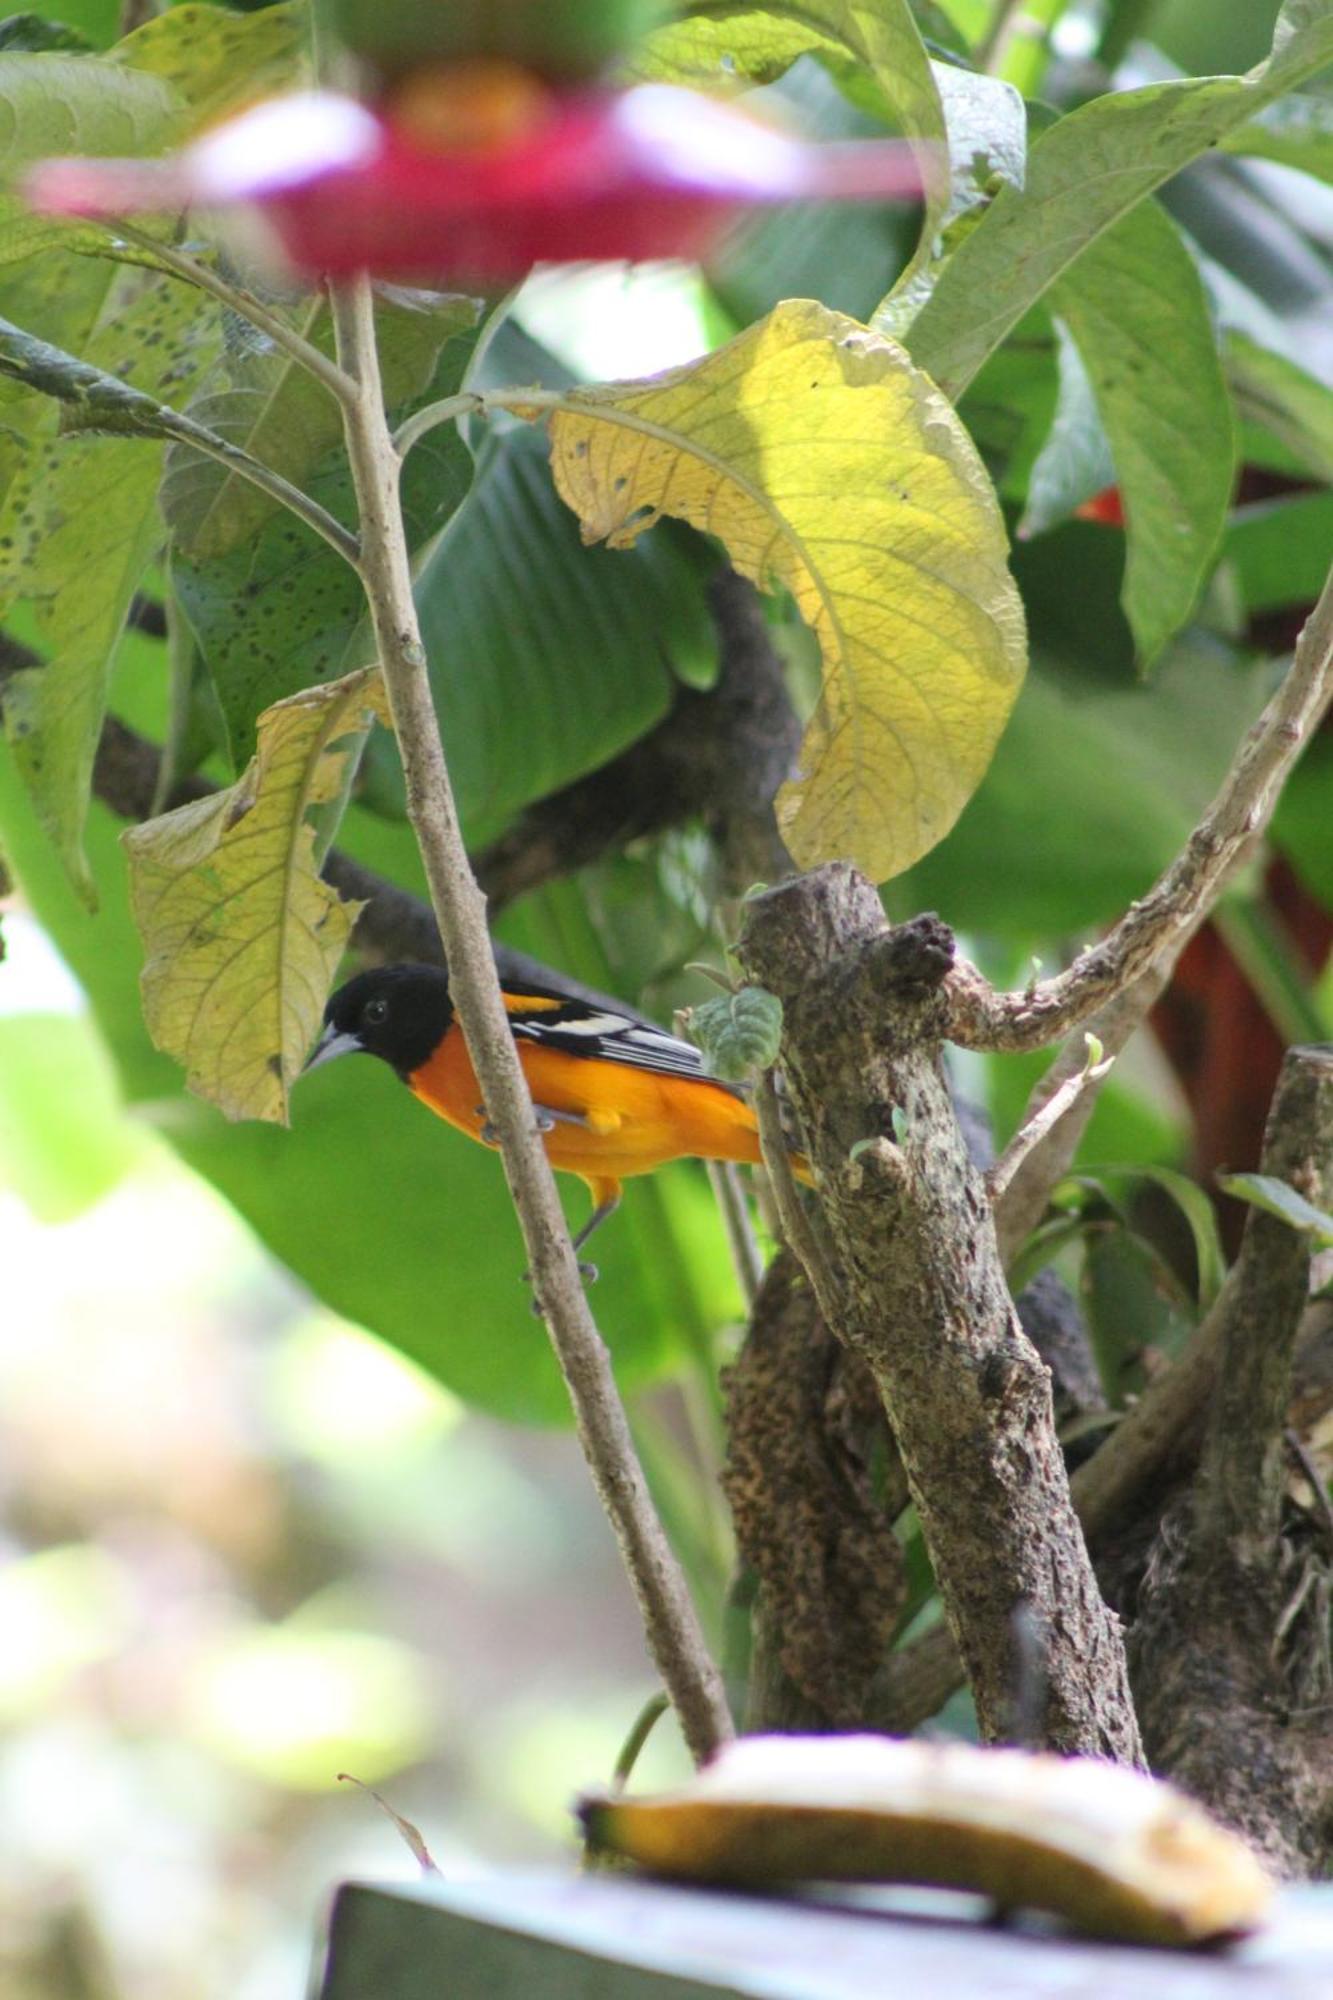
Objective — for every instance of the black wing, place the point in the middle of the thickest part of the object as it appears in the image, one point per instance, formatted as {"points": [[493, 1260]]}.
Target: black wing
{"points": [[560, 1023]]}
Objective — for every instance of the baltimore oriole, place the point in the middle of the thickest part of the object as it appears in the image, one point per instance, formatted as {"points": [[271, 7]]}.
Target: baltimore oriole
{"points": [[613, 1095]]}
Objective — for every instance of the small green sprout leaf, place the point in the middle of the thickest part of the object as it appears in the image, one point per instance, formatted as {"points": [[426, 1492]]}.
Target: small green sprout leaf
{"points": [[739, 1032]]}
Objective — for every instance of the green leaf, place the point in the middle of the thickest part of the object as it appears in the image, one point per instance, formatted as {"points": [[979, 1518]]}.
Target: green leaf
{"points": [[34, 34], [78, 525], [219, 61], [1297, 408], [739, 1033], [827, 465], [1136, 307], [243, 938], [280, 611], [1084, 174], [1075, 460], [1304, 815], [548, 658], [1279, 550], [1275, 1197], [275, 410], [986, 125], [1297, 132], [1121, 1183], [71, 104]]}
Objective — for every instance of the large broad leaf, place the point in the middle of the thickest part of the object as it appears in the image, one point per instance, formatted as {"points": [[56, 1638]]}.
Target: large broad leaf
{"points": [[986, 122], [387, 1215], [1136, 307], [71, 104], [831, 467], [79, 523], [1294, 406], [548, 658], [1084, 174], [280, 610], [242, 936], [1075, 459]]}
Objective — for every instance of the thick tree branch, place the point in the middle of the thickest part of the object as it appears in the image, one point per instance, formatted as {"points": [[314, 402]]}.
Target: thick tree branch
{"points": [[1241, 1473], [980, 1018], [1230, 1645], [670, 1622], [813, 1520], [923, 1300]]}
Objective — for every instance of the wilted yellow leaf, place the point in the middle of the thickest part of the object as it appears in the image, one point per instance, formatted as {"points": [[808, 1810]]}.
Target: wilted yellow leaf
{"points": [[243, 937], [825, 462]]}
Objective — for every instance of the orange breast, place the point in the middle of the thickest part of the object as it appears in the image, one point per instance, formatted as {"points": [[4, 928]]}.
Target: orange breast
{"points": [[636, 1119]]}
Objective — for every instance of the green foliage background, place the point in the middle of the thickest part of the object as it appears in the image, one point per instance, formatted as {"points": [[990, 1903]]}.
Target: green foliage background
{"points": [[1081, 331]]}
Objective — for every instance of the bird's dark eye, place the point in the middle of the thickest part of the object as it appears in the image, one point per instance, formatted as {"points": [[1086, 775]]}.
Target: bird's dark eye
{"points": [[376, 1012]]}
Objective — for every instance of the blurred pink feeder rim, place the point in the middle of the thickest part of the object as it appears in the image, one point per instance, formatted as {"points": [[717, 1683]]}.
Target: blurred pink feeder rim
{"points": [[652, 172]]}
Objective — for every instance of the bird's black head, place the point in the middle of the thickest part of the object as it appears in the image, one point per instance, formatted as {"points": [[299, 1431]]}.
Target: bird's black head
{"points": [[397, 1012]]}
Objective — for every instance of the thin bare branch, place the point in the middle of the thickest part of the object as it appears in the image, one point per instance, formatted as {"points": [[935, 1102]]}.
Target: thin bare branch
{"points": [[1021, 1203], [725, 1180], [670, 1621], [980, 1018], [210, 445], [798, 1226], [195, 272], [1042, 1122]]}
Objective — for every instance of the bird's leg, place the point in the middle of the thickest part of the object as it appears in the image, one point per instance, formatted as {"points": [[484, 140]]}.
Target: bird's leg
{"points": [[587, 1271]]}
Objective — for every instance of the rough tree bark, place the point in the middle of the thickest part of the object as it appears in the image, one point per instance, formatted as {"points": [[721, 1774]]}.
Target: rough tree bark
{"points": [[922, 1298], [1231, 1642]]}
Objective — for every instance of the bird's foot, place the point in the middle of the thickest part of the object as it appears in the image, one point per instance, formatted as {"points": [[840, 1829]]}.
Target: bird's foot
{"points": [[588, 1273]]}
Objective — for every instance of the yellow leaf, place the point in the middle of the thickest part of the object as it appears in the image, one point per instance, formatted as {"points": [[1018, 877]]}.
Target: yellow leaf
{"points": [[827, 463], [243, 938]]}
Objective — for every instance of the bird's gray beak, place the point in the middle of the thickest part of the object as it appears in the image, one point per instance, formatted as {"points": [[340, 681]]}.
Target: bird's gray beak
{"points": [[331, 1043]]}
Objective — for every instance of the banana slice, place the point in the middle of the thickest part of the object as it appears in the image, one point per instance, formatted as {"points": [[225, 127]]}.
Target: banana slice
{"points": [[1111, 1851]]}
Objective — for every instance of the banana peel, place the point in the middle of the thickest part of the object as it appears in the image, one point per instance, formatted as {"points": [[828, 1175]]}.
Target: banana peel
{"points": [[1111, 1851]]}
